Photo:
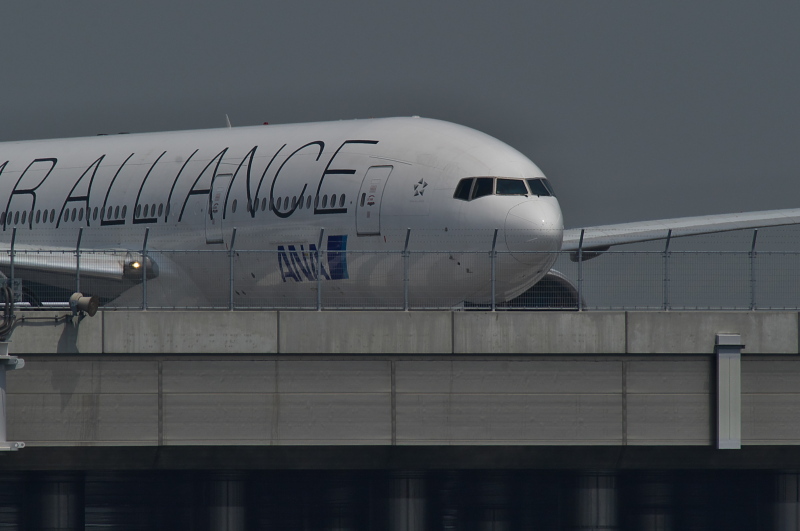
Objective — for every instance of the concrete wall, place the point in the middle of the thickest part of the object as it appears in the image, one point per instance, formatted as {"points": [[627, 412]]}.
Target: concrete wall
{"points": [[388, 332]]}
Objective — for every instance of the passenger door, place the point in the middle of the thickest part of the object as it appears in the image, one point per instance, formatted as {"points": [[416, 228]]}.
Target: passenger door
{"points": [[370, 196]]}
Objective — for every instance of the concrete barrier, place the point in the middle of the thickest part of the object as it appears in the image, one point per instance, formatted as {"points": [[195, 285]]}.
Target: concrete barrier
{"points": [[56, 332], [397, 332], [366, 332], [694, 332], [180, 332], [538, 332]]}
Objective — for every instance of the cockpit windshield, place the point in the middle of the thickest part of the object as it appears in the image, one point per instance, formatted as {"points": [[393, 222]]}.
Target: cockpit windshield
{"points": [[511, 187], [540, 187], [475, 187]]}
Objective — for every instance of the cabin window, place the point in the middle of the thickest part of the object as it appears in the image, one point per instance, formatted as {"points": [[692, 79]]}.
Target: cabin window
{"points": [[166, 211], [511, 187], [233, 206], [160, 209], [333, 200], [308, 202], [483, 186], [316, 202], [116, 212], [463, 188], [16, 218], [52, 215], [341, 200], [325, 201], [95, 213], [263, 204], [286, 203], [80, 214], [363, 197], [24, 215], [294, 202], [124, 211], [38, 215], [540, 187], [146, 210]]}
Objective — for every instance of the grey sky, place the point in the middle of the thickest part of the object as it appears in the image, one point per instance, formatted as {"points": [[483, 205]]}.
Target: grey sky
{"points": [[634, 109]]}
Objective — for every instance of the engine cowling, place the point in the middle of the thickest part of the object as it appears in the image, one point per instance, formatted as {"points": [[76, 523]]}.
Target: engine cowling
{"points": [[553, 292]]}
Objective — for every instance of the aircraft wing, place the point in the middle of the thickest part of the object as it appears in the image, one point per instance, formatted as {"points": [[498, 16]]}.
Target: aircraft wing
{"points": [[596, 240], [106, 265]]}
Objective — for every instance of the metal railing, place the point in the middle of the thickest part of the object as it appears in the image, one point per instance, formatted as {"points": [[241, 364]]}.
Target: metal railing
{"points": [[313, 278]]}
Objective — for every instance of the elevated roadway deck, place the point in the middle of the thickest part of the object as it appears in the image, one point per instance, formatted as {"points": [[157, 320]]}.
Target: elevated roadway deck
{"points": [[405, 390]]}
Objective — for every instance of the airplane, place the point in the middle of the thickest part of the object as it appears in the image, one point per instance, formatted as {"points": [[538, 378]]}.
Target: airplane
{"points": [[347, 210]]}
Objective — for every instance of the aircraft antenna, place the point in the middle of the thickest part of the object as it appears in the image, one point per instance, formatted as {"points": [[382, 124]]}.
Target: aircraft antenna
{"points": [[228, 121]]}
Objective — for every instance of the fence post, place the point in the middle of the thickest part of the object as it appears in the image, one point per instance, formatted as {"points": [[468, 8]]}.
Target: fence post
{"points": [[580, 272], [319, 270], [666, 271], [493, 256], [405, 270], [78, 261], [753, 271], [231, 256], [144, 268], [11, 259]]}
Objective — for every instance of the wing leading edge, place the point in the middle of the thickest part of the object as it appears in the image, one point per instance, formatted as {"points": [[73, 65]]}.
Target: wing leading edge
{"points": [[598, 239]]}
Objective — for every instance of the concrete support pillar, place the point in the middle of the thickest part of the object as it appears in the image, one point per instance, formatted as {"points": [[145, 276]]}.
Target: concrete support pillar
{"points": [[13, 501], [693, 502], [226, 502], [787, 501], [494, 503], [655, 504], [61, 505], [407, 502], [451, 494], [596, 502], [340, 502]]}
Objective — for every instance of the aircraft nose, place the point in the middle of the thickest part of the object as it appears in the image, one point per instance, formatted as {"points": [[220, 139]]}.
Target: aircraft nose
{"points": [[535, 226]]}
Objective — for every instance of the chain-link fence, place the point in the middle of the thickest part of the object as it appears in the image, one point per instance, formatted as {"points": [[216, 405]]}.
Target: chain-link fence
{"points": [[324, 279]]}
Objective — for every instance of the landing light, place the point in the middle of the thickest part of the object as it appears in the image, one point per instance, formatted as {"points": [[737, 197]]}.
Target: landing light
{"points": [[133, 268]]}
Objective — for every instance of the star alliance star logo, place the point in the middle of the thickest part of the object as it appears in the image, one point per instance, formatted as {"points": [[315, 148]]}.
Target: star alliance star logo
{"points": [[419, 188]]}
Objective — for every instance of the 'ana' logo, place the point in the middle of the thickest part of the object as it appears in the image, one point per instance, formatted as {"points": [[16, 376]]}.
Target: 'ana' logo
{"points": [[309, 264]]}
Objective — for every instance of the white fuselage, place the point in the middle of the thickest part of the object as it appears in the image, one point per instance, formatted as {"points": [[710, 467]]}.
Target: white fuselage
{"points": [[364, 183]]}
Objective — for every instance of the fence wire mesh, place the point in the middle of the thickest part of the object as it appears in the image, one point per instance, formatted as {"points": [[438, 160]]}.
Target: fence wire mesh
{"points": [[310, 279]]}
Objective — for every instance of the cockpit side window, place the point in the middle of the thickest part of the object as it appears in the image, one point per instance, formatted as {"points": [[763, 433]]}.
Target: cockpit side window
{"points": [[540, 187], [463, 189], [511, 187], [483, 186]]}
